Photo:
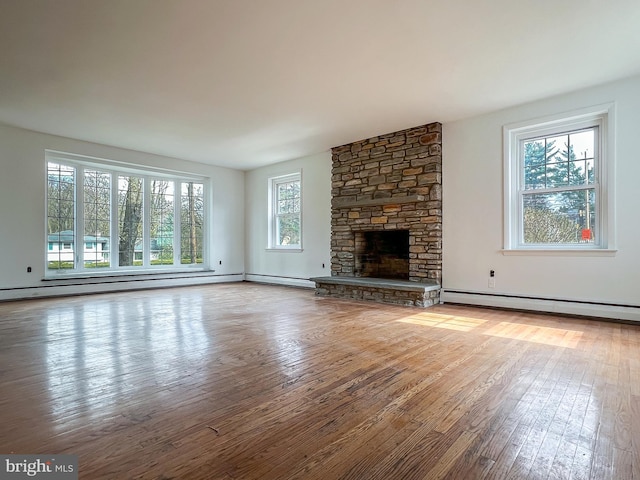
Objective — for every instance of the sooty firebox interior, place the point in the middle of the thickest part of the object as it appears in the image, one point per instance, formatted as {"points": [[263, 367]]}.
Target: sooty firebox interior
{"points": [[383, 254]]}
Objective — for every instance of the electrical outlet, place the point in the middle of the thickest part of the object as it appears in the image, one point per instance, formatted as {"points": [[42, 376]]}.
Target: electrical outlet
{"points": [[492, 282]]}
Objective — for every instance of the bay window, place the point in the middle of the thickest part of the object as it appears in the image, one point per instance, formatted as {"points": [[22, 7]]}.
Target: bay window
{"points": [[105, 218]]}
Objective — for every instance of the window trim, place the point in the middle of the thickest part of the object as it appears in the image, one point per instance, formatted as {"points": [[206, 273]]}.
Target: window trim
{"points": [[513, 134], [272, 244], [81, 163]]}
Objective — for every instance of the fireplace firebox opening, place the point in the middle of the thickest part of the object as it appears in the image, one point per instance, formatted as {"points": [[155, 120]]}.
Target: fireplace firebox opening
{"points": [[383, 254]]}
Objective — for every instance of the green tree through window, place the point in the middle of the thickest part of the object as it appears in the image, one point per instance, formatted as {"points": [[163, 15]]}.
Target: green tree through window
{"points": [[559, 188], [191, 222], [286, 229]]}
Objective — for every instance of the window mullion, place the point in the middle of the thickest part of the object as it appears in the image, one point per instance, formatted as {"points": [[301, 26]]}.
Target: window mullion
{"points": [[177, 230], [568, 188], [520, 218], [272, 214], [114, 246], [146, 222], [78, 250], [600, 180]]}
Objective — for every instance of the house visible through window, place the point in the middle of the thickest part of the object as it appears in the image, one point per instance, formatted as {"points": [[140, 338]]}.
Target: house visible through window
{"points": [[285, 212], [96, 217], [61, 181], [557, 191], [122, 219]]}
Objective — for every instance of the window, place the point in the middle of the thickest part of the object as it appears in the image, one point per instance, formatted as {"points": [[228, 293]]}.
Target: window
{"points": [[191, 214], [162, 214], [285, 230], [125, 219], [61, 192], [130, 207], [96, 189], [558, 183]]}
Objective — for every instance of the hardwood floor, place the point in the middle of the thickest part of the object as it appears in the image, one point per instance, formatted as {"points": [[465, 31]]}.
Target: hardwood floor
{"points": [[248, 381]]}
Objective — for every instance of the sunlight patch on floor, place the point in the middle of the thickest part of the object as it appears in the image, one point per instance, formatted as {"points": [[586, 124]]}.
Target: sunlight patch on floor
{"points": [[557, 337], [461, 324]]}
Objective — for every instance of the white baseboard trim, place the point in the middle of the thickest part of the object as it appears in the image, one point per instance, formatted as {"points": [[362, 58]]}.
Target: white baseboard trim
{"points": [[87, 286], [288, 281], [547, 305]]}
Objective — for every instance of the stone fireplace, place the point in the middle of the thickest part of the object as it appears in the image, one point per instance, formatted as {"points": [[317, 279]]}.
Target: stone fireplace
{"points": [[387, 196]]}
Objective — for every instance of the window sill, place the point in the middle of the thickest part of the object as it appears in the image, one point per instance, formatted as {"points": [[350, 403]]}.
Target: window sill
{"points": [[142, 273], [283, 250], [561, 252]]}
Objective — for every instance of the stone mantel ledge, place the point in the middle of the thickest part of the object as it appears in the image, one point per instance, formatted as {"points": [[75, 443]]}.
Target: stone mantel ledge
{"points": [[373, 202]]}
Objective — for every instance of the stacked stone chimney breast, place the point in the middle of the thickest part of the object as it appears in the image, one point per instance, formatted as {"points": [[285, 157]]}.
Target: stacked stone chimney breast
{"points": [[389, 182]]}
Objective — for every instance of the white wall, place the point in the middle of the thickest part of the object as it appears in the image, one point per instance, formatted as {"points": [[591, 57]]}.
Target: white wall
{"points": [[290, 268], [473, 216], [22, 213]]}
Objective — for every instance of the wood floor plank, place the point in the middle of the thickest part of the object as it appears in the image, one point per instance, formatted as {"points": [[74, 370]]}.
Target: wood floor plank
{"points": [[263, 382]]}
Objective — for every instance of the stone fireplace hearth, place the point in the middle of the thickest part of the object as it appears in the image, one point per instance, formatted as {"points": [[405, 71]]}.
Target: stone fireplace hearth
{"points": [[386, 191]]}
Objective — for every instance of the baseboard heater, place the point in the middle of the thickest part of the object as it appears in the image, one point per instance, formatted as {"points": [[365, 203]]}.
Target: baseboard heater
{"points": [[617, 311]]}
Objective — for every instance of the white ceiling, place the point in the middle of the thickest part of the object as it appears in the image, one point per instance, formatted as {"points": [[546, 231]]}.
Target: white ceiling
{"points": [[245, 83]]}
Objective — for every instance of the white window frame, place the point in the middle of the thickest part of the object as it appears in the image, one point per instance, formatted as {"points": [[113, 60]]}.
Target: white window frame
{"points": [[82, 163], [273, 243], [514, 135]]}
